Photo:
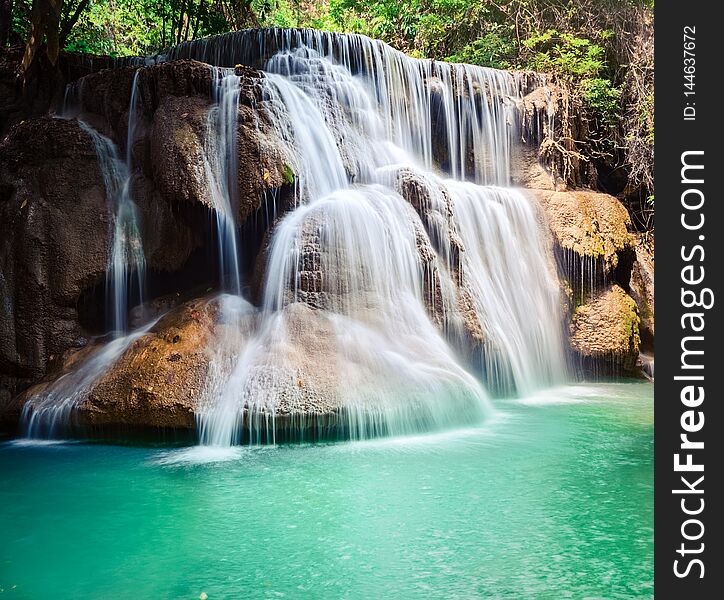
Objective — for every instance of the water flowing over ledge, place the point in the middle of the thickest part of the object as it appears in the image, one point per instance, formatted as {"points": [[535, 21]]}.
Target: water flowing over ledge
{"points": [[462, 117], [403, 282]]}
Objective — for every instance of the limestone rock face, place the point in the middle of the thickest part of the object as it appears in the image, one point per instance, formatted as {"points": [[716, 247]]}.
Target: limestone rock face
{"points": [[157, 382], [54, 220], [642, 286], [172, 141], [265, 160], [606, 268], [589, 224], [177, 149], [169, 236], [185, 163], [527, 170], [54, 207], [107, 94], [58, 219], [538, 110], [606, 329]]}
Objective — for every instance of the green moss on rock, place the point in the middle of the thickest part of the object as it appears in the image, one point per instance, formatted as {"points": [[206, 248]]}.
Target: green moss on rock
{"points": [[607, 327], [591, 224]]}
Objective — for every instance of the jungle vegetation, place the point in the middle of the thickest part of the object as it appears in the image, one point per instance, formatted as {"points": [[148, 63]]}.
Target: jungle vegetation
{"points": [[601, 49]]}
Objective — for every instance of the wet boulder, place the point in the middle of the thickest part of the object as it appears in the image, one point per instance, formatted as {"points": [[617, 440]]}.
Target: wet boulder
{"points": [[154, 378], [174, 143], [592, 234], [159, 379], [642, 287], [179, 159], [604, 332], [187, 162], [55, 243]]}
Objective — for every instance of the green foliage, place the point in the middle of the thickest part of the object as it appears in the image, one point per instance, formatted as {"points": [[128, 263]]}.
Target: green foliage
{"points": [[603, 99], [646, 118], [280, 15], [583, 63], [390, 20], [564, 53], [493, 49], [288, 175]]}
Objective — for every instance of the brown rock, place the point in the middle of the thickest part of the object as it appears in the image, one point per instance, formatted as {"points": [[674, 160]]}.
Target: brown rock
{"points": [[161, 379], [588, 223], [169, 236], [181, 157], [642, 286], [178, 155], [592, 237], [157, 382], [107, 94], [604, 331], [539, 111], [55, 222]]}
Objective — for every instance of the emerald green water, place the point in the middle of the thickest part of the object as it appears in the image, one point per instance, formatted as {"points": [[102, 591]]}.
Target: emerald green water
{"points": [[552, 499]]}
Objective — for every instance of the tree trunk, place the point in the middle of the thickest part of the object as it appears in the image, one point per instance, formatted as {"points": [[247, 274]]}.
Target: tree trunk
{"points": [[70, 22], [179, 29], [38, 23], [45, 29], [52, 31], [197, 20]]}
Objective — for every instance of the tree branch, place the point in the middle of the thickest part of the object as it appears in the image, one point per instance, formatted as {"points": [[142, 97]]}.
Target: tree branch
{"points": [[70, 23]]}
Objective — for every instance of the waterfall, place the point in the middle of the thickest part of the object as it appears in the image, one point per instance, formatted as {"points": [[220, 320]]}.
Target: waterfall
{"points": [[221, 171], [513, 285], [361, 117], [131, 122], [406, 282], [462, 116], [49, 414], [127, 262], [126, 271]]}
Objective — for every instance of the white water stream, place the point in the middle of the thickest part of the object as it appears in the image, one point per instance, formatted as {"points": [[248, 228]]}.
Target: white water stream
{"points": [[383, 313]]}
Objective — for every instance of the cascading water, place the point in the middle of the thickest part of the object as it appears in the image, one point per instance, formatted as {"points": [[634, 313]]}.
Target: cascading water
{"points": [[220, 168], [359, 117], [127, 261], [404, 250], [126, 271], [473, 109], [49, 414]]}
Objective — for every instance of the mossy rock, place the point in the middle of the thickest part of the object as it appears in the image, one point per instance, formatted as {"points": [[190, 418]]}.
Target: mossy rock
{"points": [[589, 224], [605, 330]]}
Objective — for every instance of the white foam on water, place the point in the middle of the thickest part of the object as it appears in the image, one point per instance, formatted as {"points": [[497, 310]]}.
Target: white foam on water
{"points": [[198, 455]]}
